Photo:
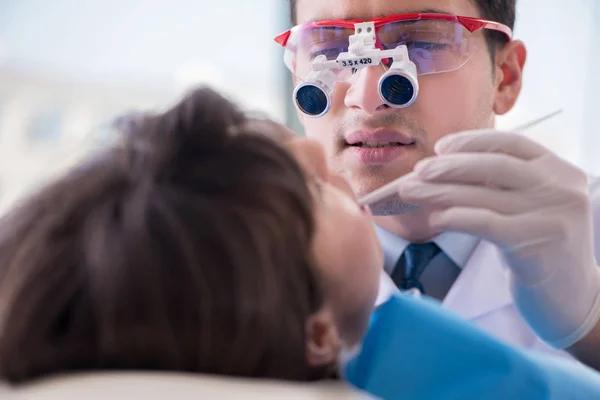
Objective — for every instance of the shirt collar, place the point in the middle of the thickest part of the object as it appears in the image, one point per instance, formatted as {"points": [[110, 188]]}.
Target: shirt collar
{"points": [[457, 246]]}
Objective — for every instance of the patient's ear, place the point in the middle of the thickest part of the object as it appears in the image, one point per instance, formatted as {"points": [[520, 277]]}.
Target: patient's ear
{"points": [[323, 341]]}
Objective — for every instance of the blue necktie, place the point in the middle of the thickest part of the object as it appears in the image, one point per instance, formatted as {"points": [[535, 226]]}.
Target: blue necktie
{"points": [[411, 265]]}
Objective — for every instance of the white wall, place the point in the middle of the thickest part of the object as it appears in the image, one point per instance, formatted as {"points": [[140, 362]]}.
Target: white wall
{"points": [[563, 57], [228, 43], [92, 59]]}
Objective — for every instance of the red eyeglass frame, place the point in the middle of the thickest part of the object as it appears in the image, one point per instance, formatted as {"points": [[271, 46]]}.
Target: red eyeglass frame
{"points": [[470, 23]]}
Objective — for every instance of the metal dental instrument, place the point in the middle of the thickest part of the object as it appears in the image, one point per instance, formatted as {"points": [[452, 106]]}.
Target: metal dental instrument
{"points": [[537, 121], [390, 188]]}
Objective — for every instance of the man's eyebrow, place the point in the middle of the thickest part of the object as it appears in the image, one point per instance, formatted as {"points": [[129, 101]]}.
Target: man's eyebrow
{"points": [[354, 18]]}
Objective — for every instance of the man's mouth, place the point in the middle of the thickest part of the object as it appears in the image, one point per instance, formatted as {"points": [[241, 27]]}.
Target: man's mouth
{"points": [[378, 138], [377, 145]]}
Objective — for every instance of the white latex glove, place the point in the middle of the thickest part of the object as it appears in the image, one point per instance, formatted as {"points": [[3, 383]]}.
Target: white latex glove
{"points": [[535, 207]]}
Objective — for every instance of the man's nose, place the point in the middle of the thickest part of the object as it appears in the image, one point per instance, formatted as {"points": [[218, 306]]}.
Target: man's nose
{"points": [[363, 92]]}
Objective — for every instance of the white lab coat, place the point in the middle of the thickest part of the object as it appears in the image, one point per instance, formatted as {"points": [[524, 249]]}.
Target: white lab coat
{"points": [[481, 293]]}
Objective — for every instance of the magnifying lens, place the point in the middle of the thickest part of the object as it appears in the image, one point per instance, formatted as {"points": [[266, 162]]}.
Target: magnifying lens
{"points": [[398, 87]]}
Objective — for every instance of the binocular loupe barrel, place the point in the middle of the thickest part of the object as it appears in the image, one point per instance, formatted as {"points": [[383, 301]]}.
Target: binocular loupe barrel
{"points": [[312, 100], [313, 96], [398, 87], [398, 90]]}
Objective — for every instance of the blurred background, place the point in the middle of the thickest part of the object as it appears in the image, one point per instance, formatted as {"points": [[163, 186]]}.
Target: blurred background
{"points": [[68, 68]]}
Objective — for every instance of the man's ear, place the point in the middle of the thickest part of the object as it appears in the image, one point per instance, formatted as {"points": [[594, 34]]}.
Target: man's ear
{"points": [[323, 343], [510, 62]]}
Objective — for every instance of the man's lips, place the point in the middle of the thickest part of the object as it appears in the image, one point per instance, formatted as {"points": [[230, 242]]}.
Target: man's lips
{"points": [[378, 138], [377, 147]]}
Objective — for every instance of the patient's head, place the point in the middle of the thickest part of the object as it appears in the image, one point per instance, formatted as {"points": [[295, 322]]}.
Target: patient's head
{"points": [[204, 242]]}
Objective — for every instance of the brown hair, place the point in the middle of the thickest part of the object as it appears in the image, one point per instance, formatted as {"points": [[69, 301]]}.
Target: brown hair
{"points": [[185, 248]]}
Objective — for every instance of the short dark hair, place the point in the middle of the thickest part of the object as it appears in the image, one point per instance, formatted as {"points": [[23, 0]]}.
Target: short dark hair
{"points": [[187, 247], [502, 11]]}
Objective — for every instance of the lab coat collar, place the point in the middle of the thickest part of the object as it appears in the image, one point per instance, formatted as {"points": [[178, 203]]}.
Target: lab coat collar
{"points": [[457, 246], [483, 286], [393, 247]]}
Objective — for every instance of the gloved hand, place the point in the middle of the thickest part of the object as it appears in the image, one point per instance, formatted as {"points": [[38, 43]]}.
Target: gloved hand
{"points": [[535, 207]]}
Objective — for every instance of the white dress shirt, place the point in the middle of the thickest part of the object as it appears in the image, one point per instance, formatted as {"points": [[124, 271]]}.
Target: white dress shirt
{"points": [[458, 246]]}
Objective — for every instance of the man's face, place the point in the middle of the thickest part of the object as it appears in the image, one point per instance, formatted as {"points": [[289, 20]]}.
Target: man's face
{"points": [[447, 102]]}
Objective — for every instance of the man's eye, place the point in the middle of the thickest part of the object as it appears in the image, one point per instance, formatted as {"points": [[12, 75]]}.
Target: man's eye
{"points": [[416, 45], [428, 46]]}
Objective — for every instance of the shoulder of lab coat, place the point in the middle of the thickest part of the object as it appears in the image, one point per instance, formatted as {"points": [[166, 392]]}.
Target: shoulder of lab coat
{"points": [[482, 294]]}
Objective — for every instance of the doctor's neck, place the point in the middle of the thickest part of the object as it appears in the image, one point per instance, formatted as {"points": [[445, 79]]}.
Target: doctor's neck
{"points": [[412, 225]]}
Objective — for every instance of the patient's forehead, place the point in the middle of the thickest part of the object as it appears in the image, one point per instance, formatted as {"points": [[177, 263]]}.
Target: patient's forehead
{"points": [[308, 153]]}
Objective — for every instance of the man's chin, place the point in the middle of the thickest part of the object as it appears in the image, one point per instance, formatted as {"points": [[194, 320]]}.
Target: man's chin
{"points": [[392, 206]]}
